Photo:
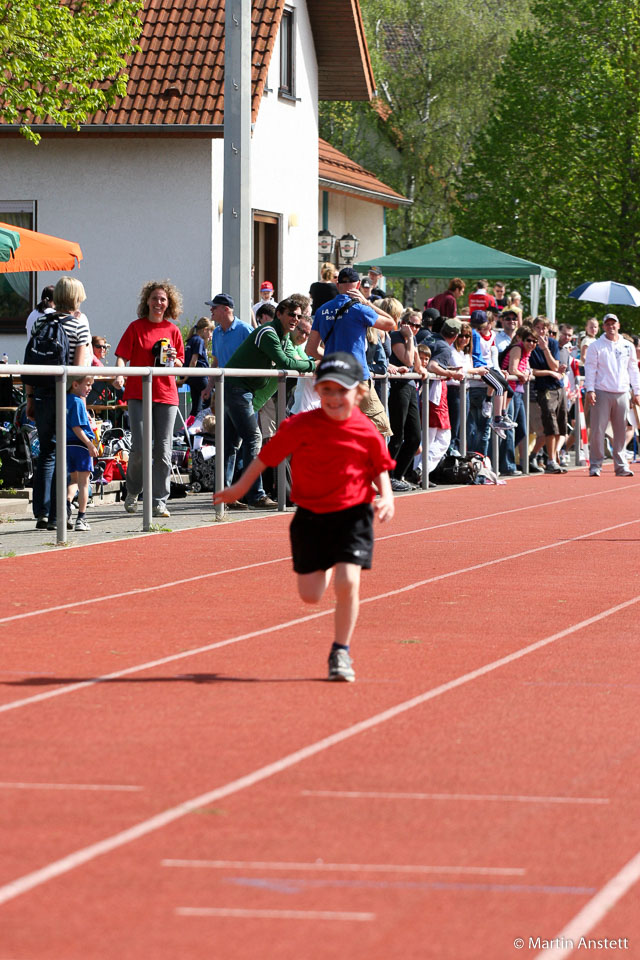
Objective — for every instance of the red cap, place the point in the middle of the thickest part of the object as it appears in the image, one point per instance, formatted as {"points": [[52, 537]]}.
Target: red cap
{"points": [[266, 285]]}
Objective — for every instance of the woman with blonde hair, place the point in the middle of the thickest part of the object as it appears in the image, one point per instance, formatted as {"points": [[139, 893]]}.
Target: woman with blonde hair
{"points": [[324, 289], [152, 340], [68, 294]]}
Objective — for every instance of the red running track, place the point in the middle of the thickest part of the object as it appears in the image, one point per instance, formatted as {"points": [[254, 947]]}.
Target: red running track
{"points": [[179, 781]]}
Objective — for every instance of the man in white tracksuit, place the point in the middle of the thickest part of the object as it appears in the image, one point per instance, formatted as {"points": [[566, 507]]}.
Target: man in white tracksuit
{"points": [[610, 371]]}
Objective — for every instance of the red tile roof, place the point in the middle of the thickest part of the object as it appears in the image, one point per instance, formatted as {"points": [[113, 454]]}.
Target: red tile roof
{"points": [[177, 77], [340, 174]]}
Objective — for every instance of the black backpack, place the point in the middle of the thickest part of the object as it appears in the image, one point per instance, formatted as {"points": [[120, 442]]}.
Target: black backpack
{"points": [[48, 346], [16, 466], [454, 468]]}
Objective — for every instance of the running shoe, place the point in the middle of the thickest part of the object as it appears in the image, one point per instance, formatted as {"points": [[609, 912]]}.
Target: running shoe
{"points": [[553, 467], [487, 408], [508, 422], [534, 466], [341, 666], [130, 503], [400, 486], [498, 428], [42, 523], [161, 511], [81, 524]]}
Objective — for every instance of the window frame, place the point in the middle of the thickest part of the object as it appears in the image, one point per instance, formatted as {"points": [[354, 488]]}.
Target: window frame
{"points": [[287, 86]]}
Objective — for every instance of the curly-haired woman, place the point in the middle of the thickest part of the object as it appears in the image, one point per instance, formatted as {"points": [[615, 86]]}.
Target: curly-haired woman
{"points": [[152, 340]]}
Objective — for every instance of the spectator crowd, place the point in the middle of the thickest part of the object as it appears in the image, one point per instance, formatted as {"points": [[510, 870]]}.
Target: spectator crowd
{"points": [[480, 339]]}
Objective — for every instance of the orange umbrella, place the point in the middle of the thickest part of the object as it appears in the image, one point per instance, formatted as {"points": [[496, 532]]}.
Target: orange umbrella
{"points": [[38, 251]]}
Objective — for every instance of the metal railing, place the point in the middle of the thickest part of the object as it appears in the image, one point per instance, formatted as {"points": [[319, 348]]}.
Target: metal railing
{"points": [[62, 374]]}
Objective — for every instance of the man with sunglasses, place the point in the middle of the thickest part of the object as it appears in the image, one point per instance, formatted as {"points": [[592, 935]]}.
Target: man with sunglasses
{"points": [[269, 347]]}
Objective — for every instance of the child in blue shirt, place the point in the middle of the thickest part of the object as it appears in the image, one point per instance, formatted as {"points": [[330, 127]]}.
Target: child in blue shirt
{"points": [[80, 448]]}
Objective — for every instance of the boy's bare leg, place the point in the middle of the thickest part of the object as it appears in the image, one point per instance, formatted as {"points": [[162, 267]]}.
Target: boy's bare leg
{"points": [[311, 586], [83, 491], [347, 591]]}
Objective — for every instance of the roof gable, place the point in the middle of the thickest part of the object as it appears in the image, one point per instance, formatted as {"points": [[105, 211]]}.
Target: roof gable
{"points": [[340, 174]]}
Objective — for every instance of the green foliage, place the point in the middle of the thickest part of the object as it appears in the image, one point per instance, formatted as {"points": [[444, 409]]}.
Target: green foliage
{"points": [[433, 61], [555, 173], [63, 61]]}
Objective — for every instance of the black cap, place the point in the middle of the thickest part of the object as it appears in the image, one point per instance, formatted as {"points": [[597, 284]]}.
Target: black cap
{"points": [[220, 300], [478, 317], [348, 275], [343, 368]]}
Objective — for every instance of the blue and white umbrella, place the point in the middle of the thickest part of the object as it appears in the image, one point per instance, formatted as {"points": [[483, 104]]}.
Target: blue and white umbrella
{"points": [[608, 291]]}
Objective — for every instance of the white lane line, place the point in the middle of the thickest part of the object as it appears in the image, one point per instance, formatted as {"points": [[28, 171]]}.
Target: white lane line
{"points": [[272, 914], [381, 795], [416, 584], [346, 867], [86, 854], [263, 563], [139, 590], [594, 911], [67, 786]]}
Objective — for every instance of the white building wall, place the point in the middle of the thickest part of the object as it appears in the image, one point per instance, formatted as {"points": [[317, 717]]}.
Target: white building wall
{"points": [[284, 162], [140, 208]]}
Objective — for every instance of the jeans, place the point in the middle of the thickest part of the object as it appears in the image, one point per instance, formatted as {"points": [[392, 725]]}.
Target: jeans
{"points": [[163, 417], [478, 429], [508, 447], [44, 477], [241, 424]]}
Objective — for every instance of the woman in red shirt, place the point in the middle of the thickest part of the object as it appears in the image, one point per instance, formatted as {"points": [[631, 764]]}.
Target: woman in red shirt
{"points": [[152, 340]]}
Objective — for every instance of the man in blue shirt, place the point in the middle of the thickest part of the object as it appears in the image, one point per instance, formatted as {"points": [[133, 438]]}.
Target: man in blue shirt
{"points": [[229, 332], [341, 326]]}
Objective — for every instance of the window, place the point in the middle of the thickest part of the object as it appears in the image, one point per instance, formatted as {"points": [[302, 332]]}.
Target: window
{"points": [[287, 55], [16, 289]]}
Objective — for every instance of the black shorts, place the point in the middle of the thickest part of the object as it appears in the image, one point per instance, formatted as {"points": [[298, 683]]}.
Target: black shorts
{"points": [[320, 540]]}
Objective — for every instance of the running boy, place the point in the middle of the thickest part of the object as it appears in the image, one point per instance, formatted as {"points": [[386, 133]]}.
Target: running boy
{"points": [[80, 448], [336, 456]]}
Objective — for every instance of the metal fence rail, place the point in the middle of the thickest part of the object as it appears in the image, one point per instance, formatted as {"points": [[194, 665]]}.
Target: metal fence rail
{"points": [[147, 374]]}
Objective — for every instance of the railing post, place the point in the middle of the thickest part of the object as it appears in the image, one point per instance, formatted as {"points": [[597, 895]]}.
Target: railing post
{"points": [[577, 429], [147, 450], [281, 470], [495, 440], [61, 457], [463, 417], [425, 433], [525, 441], [219, 467]]}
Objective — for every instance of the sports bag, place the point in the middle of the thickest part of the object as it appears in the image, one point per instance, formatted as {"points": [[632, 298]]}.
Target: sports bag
{"points": [[455, 469], [48, 346]]}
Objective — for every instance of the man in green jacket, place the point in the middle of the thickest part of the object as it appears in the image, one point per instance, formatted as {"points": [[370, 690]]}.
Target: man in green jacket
{"points": [[269, 347]]}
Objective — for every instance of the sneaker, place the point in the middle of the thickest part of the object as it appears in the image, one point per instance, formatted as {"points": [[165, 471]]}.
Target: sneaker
{"points": [[534, 466], [508, 422], [264, 503], [52, 524], [563, 459], [69, 523], [161, 511], [511, 473], [130, 503], [498, 428], [553, 467], [341, 666], [487, 408], [625, 473], [81, 524], [237, 505], [42, 523], [594, 472], [400, 486]]}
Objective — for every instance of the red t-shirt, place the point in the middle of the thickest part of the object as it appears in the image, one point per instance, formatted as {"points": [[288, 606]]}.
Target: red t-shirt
{"points": [[480, 301], [136, 346], [333, 462]]}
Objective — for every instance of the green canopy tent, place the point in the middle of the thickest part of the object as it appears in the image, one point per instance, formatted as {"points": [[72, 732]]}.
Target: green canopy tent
{"points": [[457, 257]]}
